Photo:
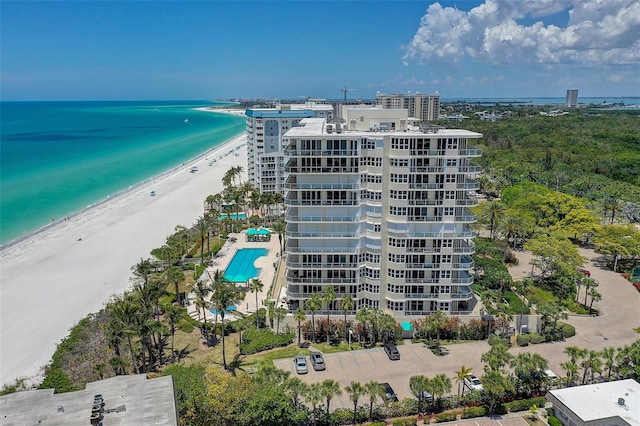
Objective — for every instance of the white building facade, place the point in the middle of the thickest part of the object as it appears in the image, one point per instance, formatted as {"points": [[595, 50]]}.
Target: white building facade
{"points": [[421, 106], [572, 98], [265, 127], [380, 213]]}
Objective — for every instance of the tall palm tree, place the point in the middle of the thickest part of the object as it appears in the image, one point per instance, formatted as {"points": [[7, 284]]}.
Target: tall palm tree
{"points": [[374, 390], [314, 303], [279, 313], [202, 228], [255, 286], [299, 316], [174, 275], [492, 213], [173, 315], [224, 296], [441, 385], [279, 227], [419, 385], [329, 389], [295, 387], [328, 296], [142, 270], [355, 391], [346, 304], [202, 290], [126, 312], [462, 374], [437, 320], [314, 395]]}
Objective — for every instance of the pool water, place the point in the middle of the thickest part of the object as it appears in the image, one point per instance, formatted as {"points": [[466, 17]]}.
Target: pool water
{"points": [[241, 268], [229, 309], [233, 216]]}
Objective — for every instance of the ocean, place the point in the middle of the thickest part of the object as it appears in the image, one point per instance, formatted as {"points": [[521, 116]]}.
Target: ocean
{"points": [[617, 103], [58, 158]]}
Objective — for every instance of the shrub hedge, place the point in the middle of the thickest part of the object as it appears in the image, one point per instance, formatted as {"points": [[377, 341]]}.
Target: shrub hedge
{"points": [[407, 421], [472, 412], [536, 338], [524, 404], [254, 341], [553, 421], [522, 340], [447, 416]]}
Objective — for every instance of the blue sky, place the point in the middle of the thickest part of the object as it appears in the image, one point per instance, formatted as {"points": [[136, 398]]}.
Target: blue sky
{"points": [[121, 50]]}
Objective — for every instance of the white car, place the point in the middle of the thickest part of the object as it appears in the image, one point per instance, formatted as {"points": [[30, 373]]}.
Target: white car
{"points": [[472, 382]]}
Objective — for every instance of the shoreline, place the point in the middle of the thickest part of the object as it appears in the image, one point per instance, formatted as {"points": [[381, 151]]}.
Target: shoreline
{"points": [[55, 276]]}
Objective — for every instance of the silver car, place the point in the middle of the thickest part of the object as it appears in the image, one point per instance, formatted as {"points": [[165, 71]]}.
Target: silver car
{"points": [[301, 364]]}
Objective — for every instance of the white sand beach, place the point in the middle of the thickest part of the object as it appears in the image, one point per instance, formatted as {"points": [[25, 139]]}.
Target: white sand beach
{"points": [[54, 278]]}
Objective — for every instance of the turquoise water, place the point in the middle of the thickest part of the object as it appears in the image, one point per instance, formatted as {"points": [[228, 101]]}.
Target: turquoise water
{"points": [[57, 158], [229, 309], [241, 268], [233, 216]]}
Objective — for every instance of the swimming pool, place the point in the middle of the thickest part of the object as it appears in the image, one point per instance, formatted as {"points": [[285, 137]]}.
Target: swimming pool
{"points": [[241, 268], [229, 309], [233, 216]]}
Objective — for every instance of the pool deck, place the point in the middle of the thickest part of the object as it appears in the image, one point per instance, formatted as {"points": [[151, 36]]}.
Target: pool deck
{"points": [[264, 263]]}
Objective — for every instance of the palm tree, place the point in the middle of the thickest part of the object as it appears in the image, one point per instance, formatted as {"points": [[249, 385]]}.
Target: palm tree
{"points": [[437, 320], [328, 296], [462, 374], [355, 391], [595, 297], [609, 357], [173, 315], [589, 283], [346, 304], [279, 313], [527, 368], [492, 213], [202, 229], [440, 385], [313, 304], [279, 227], [126, 312], [329, 389], [314, 395], [201, 290], [225, 295], [571, 371], [255, 286], [299, 316], [496, 358], [419, 385], [118, 364], [375, 391], [142, 270], [296, 387], [174, 275]]}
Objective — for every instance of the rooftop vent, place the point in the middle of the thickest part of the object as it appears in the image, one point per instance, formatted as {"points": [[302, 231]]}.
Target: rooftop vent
{"points": [[329, 128]]}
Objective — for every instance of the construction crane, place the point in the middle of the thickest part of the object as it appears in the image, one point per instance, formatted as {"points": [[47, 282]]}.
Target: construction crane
{"points": [[345, 90]]}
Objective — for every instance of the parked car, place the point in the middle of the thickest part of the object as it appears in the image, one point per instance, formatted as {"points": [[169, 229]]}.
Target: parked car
{"points": [[389, 394], [317, 361], [472, 382], [301, 364], [392, 351]]}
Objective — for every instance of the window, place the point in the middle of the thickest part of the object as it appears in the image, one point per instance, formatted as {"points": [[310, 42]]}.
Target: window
{"points": [[396, 273], [449, 195], [449, 211], [397, 242], [397, 211], [452, 143], [399, 178], [446, 258], [399, 143], [445, 274], [395, 288], [395, 306], [397, 258], [398, 195], [452, 162], [447, 243], [449, 178]]}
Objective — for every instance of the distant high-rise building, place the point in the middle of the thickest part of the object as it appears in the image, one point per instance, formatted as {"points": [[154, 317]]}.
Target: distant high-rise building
{"points": [[572, 98], [419, 105], [265, 127]]}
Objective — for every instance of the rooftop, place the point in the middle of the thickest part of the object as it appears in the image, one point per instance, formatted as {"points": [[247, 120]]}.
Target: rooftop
{"points": [[601, 400], [128, 400]]}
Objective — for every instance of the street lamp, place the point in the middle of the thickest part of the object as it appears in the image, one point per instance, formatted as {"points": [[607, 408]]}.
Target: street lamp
{"points": [[350, 333]]}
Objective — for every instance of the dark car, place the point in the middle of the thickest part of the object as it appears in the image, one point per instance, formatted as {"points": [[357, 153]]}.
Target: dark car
{"points": [[392, 351], [389, 394], [317, 361]]}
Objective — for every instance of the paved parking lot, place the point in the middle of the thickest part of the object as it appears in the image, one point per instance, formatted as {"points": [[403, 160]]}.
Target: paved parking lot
{"points": [[373, 364]]}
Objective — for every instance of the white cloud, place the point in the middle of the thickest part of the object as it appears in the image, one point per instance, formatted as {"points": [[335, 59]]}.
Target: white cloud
{"points": [[398, 81], [598, 32]]}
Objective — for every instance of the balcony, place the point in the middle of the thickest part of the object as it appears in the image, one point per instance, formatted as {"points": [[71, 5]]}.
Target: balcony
{"points": [[320, 186], [291, 234], [424, 202], [426, 185], [469, 169], [423, 265], [470, 152], [421, 295], [467, 218], [468, 185], [321, 281], [426, 169], [294, 219], [290, 202], [320, 250], [427, 152]]}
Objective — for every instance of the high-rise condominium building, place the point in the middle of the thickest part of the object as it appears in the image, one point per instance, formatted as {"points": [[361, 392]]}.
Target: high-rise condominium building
{"points": [[380, 212], [572, 98], [265, 127], [419, 105]]}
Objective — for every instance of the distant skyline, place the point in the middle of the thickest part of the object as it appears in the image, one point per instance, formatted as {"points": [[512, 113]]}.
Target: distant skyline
{"points": [[171, 50]]}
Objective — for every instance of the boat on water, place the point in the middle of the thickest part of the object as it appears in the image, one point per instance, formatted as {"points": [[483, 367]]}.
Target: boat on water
{"points": [[186, 121]]}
